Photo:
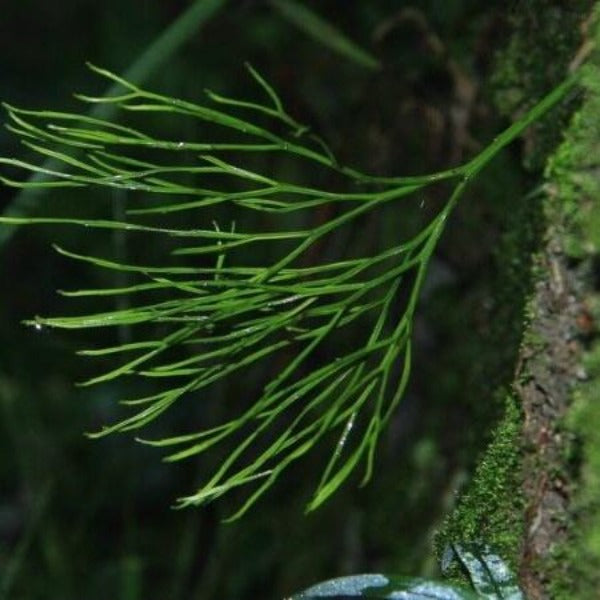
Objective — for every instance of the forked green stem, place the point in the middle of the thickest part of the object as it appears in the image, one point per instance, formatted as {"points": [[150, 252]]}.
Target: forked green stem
{"points": [[224, 316]]}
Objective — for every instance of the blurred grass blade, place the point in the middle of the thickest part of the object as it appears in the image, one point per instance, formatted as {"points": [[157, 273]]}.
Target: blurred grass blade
{"points": [[156, 55], [321, 30], [13, 564]]}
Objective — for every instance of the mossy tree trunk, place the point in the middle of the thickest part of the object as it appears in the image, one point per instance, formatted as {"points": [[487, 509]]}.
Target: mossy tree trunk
{"points": [[535, 492]]}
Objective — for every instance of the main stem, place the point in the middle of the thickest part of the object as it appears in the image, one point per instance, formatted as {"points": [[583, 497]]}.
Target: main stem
{"points": [[474, 166]]}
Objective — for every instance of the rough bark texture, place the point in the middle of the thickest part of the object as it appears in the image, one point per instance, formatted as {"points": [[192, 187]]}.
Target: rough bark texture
{"points": [[550, 363]]}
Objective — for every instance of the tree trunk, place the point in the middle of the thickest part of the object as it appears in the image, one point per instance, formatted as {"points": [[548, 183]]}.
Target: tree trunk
{"points": [[547, 441]]}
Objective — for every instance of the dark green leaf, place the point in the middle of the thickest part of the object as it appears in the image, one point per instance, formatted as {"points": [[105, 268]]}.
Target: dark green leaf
{"points": [[384, 587], [489, 574]]}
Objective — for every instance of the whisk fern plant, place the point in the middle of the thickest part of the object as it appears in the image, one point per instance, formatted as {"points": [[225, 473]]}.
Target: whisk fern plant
{"points": [[245, 294]]}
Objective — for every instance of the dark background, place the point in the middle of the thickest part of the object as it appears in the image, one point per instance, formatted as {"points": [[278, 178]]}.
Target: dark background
{"points": [[92, 519]]}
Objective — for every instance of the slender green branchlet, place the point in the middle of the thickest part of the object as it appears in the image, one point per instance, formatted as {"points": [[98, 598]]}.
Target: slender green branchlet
{"points": [[229, 298]]}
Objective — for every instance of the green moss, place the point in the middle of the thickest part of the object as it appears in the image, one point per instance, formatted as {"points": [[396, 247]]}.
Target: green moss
{"points": [[491, 509], [576, 564], [573, 171]]}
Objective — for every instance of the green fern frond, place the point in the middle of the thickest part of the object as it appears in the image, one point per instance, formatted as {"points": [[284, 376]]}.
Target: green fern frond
{"points": [[217, 307]]}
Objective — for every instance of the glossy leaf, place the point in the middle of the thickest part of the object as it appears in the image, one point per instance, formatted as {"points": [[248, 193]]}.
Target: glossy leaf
{"points": [[384, 587], [489, 574], [490, 577]]}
